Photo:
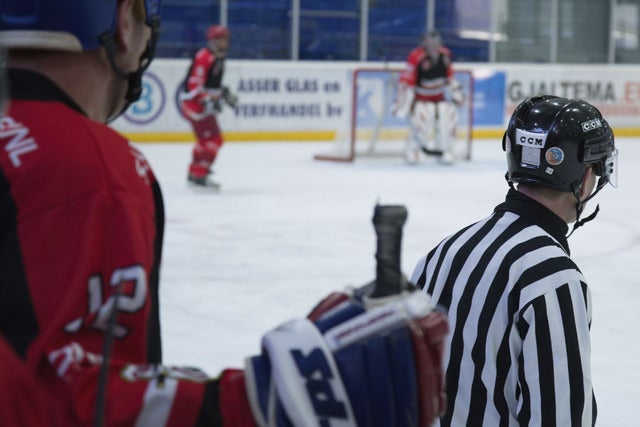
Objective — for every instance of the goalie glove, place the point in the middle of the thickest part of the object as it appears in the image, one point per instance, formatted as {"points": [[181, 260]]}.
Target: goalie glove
{"points": [[349, 365], [401, 105], [455, 92]]}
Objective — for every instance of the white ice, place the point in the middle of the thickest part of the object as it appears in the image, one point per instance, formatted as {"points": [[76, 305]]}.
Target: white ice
{"points": [[286, 230]]}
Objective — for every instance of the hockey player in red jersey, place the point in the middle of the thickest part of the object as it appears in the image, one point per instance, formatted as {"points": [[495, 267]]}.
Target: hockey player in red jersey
{"points": [[22, 403], [81, 232], [201, 95], [428, 90]]}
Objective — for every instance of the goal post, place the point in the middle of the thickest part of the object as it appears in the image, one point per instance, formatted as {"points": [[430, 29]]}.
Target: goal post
{"points": [[371, 130]]}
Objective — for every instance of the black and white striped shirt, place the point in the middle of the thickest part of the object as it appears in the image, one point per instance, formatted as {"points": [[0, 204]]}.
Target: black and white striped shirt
{"points": [[518, 351]]}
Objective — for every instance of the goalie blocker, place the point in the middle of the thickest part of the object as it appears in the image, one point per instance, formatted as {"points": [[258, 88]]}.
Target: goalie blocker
{"points": [[348, 365]]}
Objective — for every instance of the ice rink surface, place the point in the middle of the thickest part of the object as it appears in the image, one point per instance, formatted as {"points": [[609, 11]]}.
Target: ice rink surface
{"points": [[286, 230]]}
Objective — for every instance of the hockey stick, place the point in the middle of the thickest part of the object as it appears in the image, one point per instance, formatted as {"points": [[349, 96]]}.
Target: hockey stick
{"points": [[388, 221], [429, 151], [107, 348]]}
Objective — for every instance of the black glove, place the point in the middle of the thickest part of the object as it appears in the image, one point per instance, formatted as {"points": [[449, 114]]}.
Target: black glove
{"points": [[229, 98]]}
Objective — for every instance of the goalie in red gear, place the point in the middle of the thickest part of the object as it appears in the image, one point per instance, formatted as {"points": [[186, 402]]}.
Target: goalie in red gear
{"points": [[428, 90], [201, 99]]}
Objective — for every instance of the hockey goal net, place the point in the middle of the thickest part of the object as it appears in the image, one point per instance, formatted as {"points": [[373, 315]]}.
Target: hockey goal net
{"points": [[373, 131]]}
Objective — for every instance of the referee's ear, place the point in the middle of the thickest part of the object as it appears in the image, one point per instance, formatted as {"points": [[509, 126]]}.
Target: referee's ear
{"points": [[588, 183]]}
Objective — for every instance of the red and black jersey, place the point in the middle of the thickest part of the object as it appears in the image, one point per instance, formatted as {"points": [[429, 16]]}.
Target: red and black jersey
{"points": [[22, 403], [428, 75], [204, 79], [81, 230]]}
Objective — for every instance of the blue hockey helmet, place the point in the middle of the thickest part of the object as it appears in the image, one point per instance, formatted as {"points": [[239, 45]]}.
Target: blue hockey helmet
{"points": [[66, 25], [76, 25]]}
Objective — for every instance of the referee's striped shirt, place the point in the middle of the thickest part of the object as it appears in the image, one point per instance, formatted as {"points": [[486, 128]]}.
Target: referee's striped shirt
{"points": [[518, 351]]}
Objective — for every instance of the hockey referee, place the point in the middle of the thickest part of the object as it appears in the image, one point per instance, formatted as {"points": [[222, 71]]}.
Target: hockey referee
{"points": [[518, 352]]}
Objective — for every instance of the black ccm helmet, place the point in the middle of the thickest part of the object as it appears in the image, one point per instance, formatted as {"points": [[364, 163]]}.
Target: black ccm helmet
{"points": [[550, 141]]}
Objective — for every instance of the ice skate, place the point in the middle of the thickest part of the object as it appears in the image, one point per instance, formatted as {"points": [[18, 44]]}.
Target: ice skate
{"points": [[204, 183], [447, 158], [412, 157], [412, 152]]}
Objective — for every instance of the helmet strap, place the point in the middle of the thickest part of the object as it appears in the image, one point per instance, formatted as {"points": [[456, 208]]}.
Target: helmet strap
{"points": [[134, 86], [580, 205], [581, 222], [510, 182]]}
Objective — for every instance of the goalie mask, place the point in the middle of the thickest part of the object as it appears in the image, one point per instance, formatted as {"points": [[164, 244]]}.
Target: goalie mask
{"points": [[76, 25], [550, 141], [431, 42]]}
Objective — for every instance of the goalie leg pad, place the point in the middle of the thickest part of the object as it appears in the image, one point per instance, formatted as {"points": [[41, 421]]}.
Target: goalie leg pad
{"points": [[447, 119], [423, 121]]}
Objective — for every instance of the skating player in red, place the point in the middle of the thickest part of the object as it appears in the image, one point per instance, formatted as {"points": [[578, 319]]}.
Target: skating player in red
{"points": [[81, 232], [202, 95]]}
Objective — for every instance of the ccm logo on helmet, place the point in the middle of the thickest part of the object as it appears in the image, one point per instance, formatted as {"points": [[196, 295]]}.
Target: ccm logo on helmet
{"points": [[530, 139], [591, 125]]}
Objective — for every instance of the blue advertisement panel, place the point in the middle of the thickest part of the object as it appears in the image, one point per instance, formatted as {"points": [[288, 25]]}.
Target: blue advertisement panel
{"points": [[488, 101]]}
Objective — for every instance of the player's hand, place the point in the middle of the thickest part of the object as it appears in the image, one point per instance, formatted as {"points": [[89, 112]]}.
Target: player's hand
{"points": [[229, 98], [349, 365], [212, 105], [402, 101], [455, 92]]}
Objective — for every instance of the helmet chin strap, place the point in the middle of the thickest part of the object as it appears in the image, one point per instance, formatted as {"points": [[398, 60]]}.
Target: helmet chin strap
{"points": [[134, 86], [580, 222], [580, 207]]}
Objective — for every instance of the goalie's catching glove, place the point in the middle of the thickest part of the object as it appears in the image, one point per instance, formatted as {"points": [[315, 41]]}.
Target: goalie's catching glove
{"points": [[403, 100], [347, 365], [455, 92]]}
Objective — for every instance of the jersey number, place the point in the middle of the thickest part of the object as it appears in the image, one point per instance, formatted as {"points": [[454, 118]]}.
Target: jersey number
{"points": [[129, 288]]}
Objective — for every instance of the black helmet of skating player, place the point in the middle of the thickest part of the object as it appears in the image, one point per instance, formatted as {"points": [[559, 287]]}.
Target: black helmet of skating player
{"points": [[550, 141]]}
